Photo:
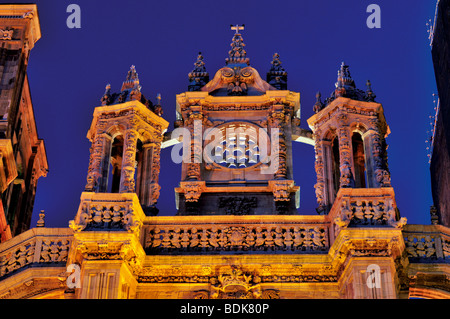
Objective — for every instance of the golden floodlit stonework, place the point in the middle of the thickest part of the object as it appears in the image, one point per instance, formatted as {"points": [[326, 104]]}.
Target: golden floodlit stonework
{"points": [[237, 233]]}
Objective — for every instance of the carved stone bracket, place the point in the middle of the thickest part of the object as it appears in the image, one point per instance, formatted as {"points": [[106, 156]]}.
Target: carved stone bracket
{"points": [[282, 189], [192, 190]]}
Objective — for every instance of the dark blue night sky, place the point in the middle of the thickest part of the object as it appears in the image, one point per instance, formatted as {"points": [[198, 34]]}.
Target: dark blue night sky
{"points": [[69, 68]]}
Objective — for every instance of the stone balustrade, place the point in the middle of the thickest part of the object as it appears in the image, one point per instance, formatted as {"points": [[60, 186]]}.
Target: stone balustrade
{"points": [[197, 234], [427, 243], [365, 207], [108, 212], [43, 246]]}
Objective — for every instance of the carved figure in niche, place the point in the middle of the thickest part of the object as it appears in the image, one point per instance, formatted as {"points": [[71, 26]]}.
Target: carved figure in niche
{"points": [[429, 246], [213, 237], [194, 237], [176, 241], [410, 247], [298, 239], [259, 237], [318, 240], [278, 236]]}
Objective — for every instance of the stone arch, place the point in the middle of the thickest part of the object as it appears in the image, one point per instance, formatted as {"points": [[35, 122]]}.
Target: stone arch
{"points": [[327, 168], [115, 130], [428, 293], [359, 159], [115, 167]]}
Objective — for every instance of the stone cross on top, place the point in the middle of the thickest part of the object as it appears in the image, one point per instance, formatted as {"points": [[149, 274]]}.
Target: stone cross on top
{"points": [[237, 27]]}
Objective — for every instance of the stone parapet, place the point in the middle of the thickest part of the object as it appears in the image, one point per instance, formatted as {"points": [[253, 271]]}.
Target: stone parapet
{"points": [[225, 234]]}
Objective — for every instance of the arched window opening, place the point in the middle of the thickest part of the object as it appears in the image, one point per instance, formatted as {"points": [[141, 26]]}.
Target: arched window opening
{"points": [[359, 161], [138, 176], [335, 162], [116, 164]]}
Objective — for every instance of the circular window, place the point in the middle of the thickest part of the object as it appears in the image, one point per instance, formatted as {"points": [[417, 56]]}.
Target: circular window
{"points": [[237, 145]]}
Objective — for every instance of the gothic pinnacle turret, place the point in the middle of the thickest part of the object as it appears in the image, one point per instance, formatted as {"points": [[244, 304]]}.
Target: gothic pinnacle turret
{"points": [[198, 77], [277, 75]]}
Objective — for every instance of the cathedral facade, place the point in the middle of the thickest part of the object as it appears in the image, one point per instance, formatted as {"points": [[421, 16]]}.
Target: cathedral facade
{"points": [[237, 233]]}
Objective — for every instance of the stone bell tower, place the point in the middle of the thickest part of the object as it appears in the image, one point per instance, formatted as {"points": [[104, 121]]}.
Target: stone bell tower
{"points": [[126, 135], [122, 188], [350, 141], [236, 131]]}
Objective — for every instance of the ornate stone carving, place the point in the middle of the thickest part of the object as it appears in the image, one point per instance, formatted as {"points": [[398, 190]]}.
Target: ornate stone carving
{"points": [[49, 250], [281, 189], [106, 216], [54, 251], [17, 258], [169, 239], [127, 184], [192, 190], [420, 246], [6, 34]]}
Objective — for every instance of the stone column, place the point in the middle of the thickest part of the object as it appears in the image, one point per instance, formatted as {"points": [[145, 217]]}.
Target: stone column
{"points": [[97, 179], [320, 187], [127, 183], [345, 151], [276, 121], [377, 154], [194, 125], [345, 158], [149, 188]]}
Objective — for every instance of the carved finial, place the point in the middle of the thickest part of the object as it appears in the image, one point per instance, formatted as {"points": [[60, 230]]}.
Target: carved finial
{"points": [[370, 96], [434, 215], [41, 221], [106, 98], [237, 54], [318, 106], [158, 108]]}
